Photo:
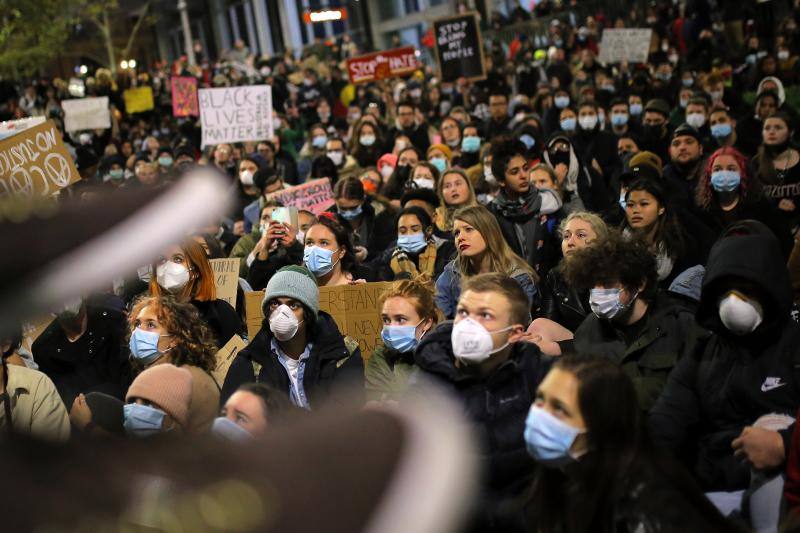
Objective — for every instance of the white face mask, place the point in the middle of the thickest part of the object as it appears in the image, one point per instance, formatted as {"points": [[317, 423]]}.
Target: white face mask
{"points": [[336, 157], [696, 120], [246, 177], [588, 122], [487, 175], [172, 276], [740, 315], [283, 323], [472, 343], [424, 183], [386, 171]]}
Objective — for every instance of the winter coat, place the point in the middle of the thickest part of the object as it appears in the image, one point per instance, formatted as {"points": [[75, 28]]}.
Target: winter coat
{"points": [[260, 271], [376, 232], [387, 373], [563, 304], [222, 319]]}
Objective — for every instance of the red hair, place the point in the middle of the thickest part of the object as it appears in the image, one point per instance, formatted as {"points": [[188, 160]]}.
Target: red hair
{"points": [[201, 287], [705, 192]]}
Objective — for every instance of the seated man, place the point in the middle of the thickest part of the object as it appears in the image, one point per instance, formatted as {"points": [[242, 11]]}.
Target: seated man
{"points": [[631, 323]]}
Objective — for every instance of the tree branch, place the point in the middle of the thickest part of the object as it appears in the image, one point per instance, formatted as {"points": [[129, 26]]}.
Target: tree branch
{"points": [[135, 30]]}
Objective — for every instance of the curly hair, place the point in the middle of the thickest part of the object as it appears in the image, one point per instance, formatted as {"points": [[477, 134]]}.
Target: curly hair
{"points": [[195, 343], [705, 192]]}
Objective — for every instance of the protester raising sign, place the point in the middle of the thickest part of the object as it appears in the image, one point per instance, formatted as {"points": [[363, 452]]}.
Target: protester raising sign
{"points": [[629, 44], [236, 114], [184, 96], [226, 278], [86, 114], [35, 162], [138, 99], [459, 52], [315, 196], [382, 65]]}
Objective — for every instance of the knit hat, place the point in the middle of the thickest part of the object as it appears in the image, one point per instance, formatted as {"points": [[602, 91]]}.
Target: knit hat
{"points": [[107, 412], [293, 282], [658, 105], [166, 386], [444, 148], [646, 159]]}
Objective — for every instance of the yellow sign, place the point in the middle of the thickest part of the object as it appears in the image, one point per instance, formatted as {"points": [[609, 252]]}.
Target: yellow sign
{"points": [[226, 278], [225, 357], [138, 100]]}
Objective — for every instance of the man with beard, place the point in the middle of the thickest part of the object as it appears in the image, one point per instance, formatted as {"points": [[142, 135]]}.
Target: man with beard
{"points": [[683, 172]]}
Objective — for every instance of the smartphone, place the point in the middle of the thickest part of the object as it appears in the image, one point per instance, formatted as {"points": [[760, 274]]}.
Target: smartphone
{"points": [[286, 215]]}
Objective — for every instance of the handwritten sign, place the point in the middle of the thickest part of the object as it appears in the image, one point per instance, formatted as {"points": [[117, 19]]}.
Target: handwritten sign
{"points": [[226, 278], [225, 357], [86, 114], [382, 65], [459, 48], [628, 44], [35, 162], [315, 196], [138, 99], [255, 315], [236, 114], [184, 96]]}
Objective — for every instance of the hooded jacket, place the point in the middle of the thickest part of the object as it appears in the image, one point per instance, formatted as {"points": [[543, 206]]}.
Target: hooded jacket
{"points": [[725, 382]]}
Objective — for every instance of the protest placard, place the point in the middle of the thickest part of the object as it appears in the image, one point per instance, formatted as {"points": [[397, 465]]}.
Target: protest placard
{"points": [[35, 162], [382, 65], [138, 99], [184, 96], [86, 114], [255, 315], [628, 44], [459, 48], [225, 357], [236, 114], [226, 278], [315, 196], [12, 127]]}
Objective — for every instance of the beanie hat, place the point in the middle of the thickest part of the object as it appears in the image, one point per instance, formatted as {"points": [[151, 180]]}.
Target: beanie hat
{"points": [[646, 159], [166, 386], [293, 282], [107, 412], [448, 153], [387, 159], [658, 105]]}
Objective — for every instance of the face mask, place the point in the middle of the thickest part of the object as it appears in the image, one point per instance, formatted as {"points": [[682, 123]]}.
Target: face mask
{"points": [[165, 161], [487, 174], [424, 183], [561, 101], [230, 430], [265, 71], [619, 119], [783, 55], [472, 343], [568, 124], [696, 120], [336, 157], [172, 276], [246, 177], [528, 141], [85, 138], [144, 345], [588, 122], [283, 323], [351, 214], [415, 93], [636, 109], [663, 76], [608, 88], [353, 117], [318, 260], [606, 304], [401, 145], [721, 131], [386, 171], [687, 82], [470, 144], [683, 102], [400, 338], [307, 82], [725, 180], [673, 58], [142, 420], [319, 142], [367, 140], [440, 163], [453, 143], [652, 132], [740, 315], [116, 174], [412, 243], [549, 439], [716, 96], [323, 117]]}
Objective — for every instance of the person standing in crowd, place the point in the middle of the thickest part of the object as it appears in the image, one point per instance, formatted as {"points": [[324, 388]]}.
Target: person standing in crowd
{"points": [[280, 245], [366, 144], [243, 248], [407, 158]]}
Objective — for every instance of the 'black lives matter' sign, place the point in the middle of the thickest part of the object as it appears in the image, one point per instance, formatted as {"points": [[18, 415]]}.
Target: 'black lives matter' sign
{"points": [[459, 50]]}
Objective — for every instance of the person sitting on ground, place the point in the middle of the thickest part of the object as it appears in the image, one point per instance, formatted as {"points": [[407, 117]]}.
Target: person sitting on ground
{"points": [[158, 402]]}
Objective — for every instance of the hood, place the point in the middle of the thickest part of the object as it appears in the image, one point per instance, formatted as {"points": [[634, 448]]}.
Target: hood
{"points": [[781, 92], [756, 259]]}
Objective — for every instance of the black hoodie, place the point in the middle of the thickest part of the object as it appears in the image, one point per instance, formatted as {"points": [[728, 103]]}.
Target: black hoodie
{"points": [[726, 382]]}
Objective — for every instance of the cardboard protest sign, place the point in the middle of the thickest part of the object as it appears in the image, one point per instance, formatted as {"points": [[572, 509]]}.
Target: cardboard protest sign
{"points": [[382, 65], [35, 162], [314, 196], [138, 99], [255, 315], [184, 97], [628, 44], [225, 357], [459, 48], [226, 278], [12, 127], [86, 114], [236, 114]]}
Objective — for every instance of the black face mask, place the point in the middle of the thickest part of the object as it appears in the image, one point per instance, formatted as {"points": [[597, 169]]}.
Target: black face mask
{"points": [[402, 172], [653, 132], [776, 149], [559, 156]]}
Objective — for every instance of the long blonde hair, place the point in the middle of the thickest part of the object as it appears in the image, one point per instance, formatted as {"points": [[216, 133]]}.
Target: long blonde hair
{"points": [[500, 256], [444, 213]]}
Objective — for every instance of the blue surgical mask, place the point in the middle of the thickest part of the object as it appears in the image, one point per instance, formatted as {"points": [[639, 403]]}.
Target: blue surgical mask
{"points": [[470, 144], [528, 141], [548, 439], [636, 109], [568, 124], [721, 131], [318, 260], [687, 82], [440, 163], [228, 429], [319, 142], [400, 338], [144, 345], [351, 214], [165, 161], [561, 101], [142, 420], [116, 174], [413, 243], [725, 180], [618, 119], [606, 304]]}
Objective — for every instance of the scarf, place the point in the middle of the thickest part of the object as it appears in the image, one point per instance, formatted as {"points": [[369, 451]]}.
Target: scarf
{"points": [[520, 210], [404, 267]]}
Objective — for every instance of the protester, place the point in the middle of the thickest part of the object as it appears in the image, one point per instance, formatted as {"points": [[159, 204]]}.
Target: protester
{"points": [[365, 225], [251, 411], [158, 401], [454, 190], [329, 253]]}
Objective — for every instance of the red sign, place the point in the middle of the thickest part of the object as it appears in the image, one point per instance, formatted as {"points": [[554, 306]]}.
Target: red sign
{"points": [[382, 65], [184, 97]]}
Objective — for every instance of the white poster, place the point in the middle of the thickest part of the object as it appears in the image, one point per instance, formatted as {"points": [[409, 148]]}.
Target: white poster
{"points": [[629, 44], [236, 114], [86, 114]]}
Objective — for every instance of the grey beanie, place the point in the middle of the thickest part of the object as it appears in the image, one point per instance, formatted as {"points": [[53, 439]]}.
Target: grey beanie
{"points": [[293, 282]]}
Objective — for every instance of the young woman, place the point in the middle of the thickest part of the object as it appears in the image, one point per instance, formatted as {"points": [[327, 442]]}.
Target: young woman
{"points": [[586, 431], [312, 149], [777, 166], [329, 253], [439, 155], [184, 272], [451, 134], [481, 248], [424, 175], [367, 221], [469, 150], [251, 411], [455, 191], [366, 144], [408, 313], [164, 330]]}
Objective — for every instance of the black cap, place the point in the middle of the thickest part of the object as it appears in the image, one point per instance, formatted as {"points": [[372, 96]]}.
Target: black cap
{"points": [[658, 105], [685, 129]]}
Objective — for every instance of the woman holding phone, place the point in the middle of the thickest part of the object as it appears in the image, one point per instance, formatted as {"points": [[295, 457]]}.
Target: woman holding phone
{"points": [[277, 247]]}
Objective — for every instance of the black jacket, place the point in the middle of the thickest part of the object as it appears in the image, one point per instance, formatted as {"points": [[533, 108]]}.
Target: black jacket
{"points": [[527, 236], [376, 232], [330, 368], [563, 304], [260, 272], [726, 382], [221, 318]]}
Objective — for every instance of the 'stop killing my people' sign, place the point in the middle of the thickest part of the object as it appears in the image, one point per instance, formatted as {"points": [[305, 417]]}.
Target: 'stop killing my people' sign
{"points": [[236, 114], [459, 49]]}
